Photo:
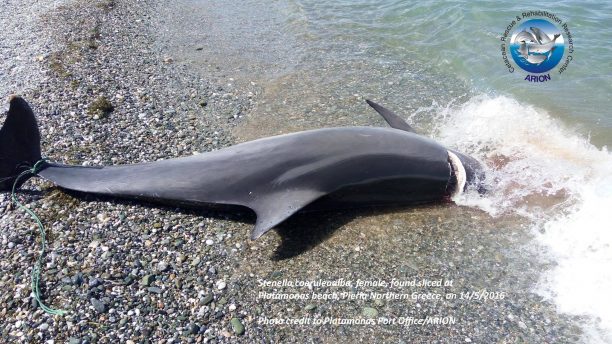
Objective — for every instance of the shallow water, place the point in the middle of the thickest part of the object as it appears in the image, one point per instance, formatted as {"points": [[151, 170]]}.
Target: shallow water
{"points": [[438, 64]]}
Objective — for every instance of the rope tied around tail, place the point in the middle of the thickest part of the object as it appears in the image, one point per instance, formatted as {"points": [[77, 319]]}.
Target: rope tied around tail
{"points": [[38, 166]]}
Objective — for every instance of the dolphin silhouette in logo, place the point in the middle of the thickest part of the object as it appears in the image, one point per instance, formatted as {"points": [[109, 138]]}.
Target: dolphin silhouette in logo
{"points": [[274, 176], [523, 51], [538, 59], [525, 36], [535, 47], [543, 48], [542, 37]]}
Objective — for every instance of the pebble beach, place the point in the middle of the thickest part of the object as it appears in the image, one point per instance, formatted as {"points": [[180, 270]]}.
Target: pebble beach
{"points": [[108, 87]]}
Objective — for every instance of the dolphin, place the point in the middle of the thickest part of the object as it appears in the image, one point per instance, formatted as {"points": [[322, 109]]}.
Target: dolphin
{"points": [[539, 58], [274, 176], [542, 37], [542, 48], [523, 50], [525, 36]]}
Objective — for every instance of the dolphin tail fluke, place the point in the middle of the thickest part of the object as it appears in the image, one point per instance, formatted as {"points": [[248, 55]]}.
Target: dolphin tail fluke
{"points": [[19, 142]]}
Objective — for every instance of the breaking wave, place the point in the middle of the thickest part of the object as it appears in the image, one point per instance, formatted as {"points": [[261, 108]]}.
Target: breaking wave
{"points": [[543, 171]]}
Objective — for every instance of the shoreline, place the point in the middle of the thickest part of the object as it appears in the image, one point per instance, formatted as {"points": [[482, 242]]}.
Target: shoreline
{"points": [[159, 273]]}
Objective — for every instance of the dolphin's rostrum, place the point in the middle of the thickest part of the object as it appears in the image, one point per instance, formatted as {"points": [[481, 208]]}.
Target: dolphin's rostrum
{"points": [[275, 176]]}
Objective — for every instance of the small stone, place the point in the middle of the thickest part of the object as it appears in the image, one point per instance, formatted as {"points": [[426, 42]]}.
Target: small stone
{"points": [[522, 325], [43, 327], [379, 302], [196, 261], [162, 266], [237, 326], [94, 282], [74, 340], [468, 340], [310, 307], [98, 305], [209, 242], [181, 258], [369, 312], [77, 279], [232, 307], [221, 285], [103, 218], [206, 300], [147, 280], [155, 290], [194, 329]]}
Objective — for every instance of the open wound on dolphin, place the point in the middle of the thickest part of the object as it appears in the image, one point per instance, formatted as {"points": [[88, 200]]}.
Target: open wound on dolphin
{"points": [[459, 175]]}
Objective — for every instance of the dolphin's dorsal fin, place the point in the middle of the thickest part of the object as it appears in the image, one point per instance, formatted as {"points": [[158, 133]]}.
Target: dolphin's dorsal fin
{"points": [[394, 120], [279, 206]]}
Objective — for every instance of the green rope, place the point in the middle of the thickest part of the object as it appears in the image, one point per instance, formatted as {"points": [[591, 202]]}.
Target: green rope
{"points": [[43, 243]]}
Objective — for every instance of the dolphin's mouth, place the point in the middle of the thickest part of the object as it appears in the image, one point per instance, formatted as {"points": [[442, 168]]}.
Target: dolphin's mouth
{"points": [[458, 177]]}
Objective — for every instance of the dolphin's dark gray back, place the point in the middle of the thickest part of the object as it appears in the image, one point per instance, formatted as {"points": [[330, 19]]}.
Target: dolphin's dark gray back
{"points": [[278, 176]]}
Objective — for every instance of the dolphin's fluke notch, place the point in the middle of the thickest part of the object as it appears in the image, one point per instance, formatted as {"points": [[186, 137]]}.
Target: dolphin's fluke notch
{"points": [[392, 119]]}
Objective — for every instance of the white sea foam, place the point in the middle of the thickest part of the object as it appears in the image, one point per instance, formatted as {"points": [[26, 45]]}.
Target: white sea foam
{"points": [[555, 178]]}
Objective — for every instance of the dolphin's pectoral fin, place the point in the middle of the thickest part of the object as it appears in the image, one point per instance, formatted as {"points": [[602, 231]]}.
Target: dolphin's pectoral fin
{"points": [[394, 120], [277, 207]]}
